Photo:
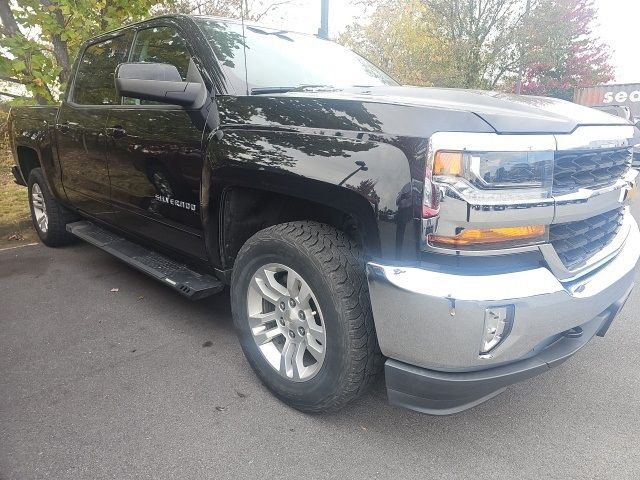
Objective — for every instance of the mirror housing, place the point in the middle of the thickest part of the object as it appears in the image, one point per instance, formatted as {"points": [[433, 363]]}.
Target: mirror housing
{"points": [[159, 82]]}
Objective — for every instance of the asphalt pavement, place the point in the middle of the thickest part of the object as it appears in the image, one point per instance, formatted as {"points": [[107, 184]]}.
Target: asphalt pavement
{"points": [[142, 383]]}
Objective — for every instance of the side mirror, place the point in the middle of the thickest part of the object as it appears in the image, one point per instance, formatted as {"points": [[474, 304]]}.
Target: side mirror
{"points": [[158, 82]]}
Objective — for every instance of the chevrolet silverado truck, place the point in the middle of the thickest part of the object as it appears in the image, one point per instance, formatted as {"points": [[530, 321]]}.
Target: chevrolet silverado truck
{"points": [[461, 241]]}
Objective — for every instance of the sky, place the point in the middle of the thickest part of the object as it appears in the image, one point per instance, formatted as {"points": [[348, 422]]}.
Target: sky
{"points": [[304, 16], [618, 24], [620, 28]]}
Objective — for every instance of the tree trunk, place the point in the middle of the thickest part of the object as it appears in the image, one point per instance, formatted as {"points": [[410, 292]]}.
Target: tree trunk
{"points": [[61, 51], [9, 24], [60, 48], [103, 23]]}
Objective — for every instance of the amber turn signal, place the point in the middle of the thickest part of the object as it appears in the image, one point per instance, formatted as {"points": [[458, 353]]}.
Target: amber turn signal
{"points": [[448, 163], [483, 236]]}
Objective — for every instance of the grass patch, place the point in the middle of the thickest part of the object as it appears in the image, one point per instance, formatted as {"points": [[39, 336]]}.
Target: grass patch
{"points": [[13, 197], [15, 217]]}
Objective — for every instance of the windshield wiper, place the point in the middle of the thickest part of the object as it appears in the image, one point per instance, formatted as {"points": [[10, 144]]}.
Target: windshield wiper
{"points": [[311, 87], [299, 88], [276, 33], [268, 90]]}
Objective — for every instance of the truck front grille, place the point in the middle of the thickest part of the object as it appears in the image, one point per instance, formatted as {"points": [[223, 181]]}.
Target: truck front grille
{"points": [[577, 242], [591, 169]]}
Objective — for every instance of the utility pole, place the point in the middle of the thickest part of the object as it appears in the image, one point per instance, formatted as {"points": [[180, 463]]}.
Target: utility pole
{"points": [[522, 55], [323, 31]]}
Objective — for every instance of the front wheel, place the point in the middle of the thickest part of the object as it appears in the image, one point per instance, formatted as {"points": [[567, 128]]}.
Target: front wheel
{"points": [[49, 217], [301, 307]]}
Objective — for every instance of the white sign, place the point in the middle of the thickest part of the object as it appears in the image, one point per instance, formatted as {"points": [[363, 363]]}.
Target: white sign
{"points": [[621, 97]]}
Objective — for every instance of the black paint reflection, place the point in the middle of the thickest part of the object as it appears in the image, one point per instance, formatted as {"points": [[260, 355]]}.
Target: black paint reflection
{"points": [[155, 172], [81, 150], [316, 140]]}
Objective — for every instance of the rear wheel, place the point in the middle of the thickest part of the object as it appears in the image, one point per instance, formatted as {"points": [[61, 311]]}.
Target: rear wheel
{"points": [[49, 217], [301, 306]]}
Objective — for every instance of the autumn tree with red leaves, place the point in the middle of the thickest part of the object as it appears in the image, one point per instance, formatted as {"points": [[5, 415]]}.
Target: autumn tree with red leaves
{"points": [[560, 50]]}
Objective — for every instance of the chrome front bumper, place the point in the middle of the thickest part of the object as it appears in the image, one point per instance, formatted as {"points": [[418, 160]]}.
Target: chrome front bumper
{"points": [[441, 393], [434, 318]]}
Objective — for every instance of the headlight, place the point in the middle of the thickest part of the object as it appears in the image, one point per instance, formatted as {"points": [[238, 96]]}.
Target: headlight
{"points": [[495, 176], [489, 179]]}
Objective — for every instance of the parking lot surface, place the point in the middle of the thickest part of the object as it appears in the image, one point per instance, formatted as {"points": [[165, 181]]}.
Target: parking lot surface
{"points": [[105, 373]]}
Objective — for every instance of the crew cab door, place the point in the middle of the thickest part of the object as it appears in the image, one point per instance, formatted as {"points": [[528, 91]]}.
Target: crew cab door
{"points": [[155, 153], [80, 126]]}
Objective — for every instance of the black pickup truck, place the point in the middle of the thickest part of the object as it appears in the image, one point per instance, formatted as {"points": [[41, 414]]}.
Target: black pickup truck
{"points": [[464, 240]]}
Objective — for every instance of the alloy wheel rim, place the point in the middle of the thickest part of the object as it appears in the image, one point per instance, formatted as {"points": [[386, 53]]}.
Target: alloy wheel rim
{"points": [[286, 322], [39, 208]]}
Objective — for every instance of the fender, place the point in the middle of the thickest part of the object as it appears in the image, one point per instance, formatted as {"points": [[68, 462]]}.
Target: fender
{"points": [[363, 158], [361, 178]]}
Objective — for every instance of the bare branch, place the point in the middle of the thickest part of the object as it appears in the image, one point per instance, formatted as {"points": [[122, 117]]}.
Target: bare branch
{"points": [[13, 80], [12, 95], [258, 16]]}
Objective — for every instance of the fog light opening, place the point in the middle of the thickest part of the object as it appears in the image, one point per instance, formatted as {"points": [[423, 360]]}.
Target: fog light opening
{"points": [[575, 332], [497, 326]]}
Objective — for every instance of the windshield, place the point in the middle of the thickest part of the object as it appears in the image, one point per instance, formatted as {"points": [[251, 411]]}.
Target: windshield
{"points": [[278, 59]]}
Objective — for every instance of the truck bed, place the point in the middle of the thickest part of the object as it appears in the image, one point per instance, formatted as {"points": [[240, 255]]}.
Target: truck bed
{"points": [[32, 125]]}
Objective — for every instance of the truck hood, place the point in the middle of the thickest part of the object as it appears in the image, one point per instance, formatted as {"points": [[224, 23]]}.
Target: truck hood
{"points": [[505, 113]]}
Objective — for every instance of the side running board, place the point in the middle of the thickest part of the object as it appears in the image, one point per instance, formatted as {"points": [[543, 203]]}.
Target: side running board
{"points": [[178, 276]]}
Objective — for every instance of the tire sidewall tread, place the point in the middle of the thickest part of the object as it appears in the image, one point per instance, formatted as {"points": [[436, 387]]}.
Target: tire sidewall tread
{"points": [[333, 265], [58, 215]]}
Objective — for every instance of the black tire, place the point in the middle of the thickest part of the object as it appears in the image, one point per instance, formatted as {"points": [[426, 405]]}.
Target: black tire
{"points": [[58, 216], [333, 266]]}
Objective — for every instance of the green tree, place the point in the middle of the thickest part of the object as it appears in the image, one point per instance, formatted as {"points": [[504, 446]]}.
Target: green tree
{"points": [[396, 37], [463, 43], [481, 37], [39, 39]]}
